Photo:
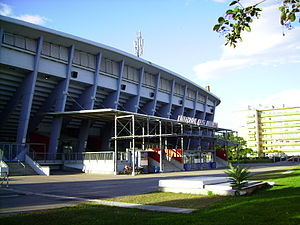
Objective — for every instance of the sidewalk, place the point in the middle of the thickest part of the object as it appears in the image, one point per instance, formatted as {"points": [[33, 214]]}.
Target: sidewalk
{"points": [[28, 193]]}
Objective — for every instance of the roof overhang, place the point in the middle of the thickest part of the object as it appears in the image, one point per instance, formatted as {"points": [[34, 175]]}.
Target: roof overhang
{"points": [[109, 115]]}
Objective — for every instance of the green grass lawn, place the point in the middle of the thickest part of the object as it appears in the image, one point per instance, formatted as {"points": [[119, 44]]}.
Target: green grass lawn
{"points": [[180, 200], [277, 205]]}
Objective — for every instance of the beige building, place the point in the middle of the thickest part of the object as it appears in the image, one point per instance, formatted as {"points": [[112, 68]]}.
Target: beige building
{"points": [[270, 130]]}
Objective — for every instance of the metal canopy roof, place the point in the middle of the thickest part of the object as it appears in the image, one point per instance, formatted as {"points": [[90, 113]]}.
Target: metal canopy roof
{"points": [[108, 115]]}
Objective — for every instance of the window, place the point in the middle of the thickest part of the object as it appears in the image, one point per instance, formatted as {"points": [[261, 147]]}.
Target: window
{"points": [[190, 94], [149, 79], [131, 73], [19, 42], [83, 59], [165, 85], [109, 66], [179, 89], [201, 98]]}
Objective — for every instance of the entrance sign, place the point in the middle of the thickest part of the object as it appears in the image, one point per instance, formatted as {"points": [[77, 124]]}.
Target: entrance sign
{"points": [[197, 121]]}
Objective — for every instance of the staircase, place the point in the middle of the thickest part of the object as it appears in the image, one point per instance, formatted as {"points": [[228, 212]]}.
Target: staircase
{"points": [[20, 169], [170, 167]]}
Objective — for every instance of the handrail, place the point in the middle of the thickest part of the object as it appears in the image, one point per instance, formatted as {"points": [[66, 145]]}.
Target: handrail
{"points": [[4, 178], [4, 174], [24, 167], [22, 164]]}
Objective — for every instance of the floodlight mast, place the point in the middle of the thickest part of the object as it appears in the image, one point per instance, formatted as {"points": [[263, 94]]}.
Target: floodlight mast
{"points": [[139, 44]]}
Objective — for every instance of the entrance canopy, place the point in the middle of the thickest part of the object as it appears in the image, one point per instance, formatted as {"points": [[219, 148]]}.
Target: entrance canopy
{"points": [[109, 115], [139, 131]]}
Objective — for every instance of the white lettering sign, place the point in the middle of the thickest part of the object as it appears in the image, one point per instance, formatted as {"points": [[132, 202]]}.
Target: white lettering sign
{"points": [[197, 121]]}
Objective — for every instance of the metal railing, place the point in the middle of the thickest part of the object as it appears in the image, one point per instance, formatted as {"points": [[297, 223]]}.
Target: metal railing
{"points": [[98, 155], [4, 173], [14, 151], [46, 157], [4, 179], [76, 156]]}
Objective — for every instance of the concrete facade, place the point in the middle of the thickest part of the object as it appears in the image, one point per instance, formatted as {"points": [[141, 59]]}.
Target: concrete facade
{"points": [[44, 71]]}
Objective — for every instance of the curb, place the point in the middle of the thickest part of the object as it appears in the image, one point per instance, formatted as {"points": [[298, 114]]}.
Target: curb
{"points": [[110, 203]]}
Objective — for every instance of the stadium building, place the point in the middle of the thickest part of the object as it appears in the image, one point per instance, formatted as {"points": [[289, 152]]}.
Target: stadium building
{"points": [[73, 102]]}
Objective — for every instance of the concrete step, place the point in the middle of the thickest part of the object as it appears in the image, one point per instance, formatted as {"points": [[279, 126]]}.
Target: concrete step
{"points": [[169, 167], [17, 169]]}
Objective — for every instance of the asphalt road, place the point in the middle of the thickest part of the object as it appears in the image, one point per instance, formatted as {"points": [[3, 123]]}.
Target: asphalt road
{"points": [[21, 196]]}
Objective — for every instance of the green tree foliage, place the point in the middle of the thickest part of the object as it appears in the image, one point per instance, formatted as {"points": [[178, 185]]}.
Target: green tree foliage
{"points": [[237, 151], [238, 176], [239, 18]]}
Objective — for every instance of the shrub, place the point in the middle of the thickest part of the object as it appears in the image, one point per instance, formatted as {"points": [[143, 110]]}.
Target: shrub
{"points": [[238, 176]]}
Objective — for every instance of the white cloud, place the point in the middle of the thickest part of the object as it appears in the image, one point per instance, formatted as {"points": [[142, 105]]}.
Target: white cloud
{"points": [[214, 68], [289, 98], [6, 10], [265, 45], [36, 19]]}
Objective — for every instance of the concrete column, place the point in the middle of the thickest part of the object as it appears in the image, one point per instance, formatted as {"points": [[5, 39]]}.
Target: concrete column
{"points": [[133, 146], [61, 99], [180, 110], [195, 105], [150, 107], [133, 103], [116, 147], [29, 86], [112, 100], [166, 109], [89, 102], [161, 150]]}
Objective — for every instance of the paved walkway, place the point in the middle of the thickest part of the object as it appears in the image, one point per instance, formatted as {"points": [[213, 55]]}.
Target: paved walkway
{"points": [[28, 193]]}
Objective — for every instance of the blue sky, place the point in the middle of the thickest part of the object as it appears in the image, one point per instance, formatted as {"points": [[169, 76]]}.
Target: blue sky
{"points": [[264, 69]]}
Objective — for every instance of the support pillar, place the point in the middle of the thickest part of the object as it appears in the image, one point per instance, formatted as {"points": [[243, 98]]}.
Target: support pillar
{"points": [[195, 105], [133, 146], [112, 100], [143, 140], [161, 150], [150, 107], [116, 148], [166, 109], [134, 102], [181, 139], [29, 85], [205, 108], [88, 103], [180, 110], [60, 107]]}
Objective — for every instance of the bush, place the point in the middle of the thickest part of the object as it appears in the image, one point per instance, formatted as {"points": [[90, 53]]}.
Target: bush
{"points": [[238, 176]]}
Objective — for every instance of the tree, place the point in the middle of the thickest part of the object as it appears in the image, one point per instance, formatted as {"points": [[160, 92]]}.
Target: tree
{"points": [[239, 18], [237, 151]]}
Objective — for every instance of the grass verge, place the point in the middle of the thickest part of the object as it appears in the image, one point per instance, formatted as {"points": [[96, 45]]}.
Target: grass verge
{"points": [[274, 206], [180, 200]]}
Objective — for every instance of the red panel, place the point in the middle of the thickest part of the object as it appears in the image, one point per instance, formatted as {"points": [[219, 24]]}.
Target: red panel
{"points": [[173, 153], [222, 154], [37, 139]]}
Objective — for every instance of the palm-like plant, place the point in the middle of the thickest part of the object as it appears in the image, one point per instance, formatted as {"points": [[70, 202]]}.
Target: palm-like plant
{"points": [[238, 176]]}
